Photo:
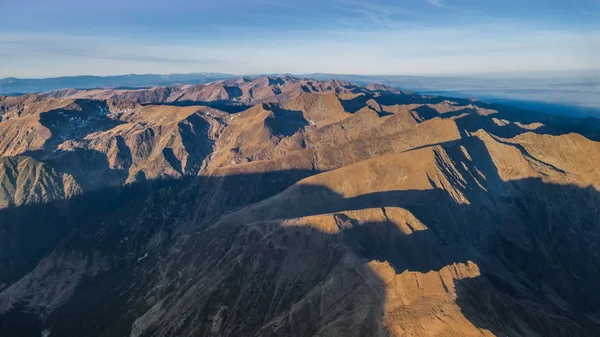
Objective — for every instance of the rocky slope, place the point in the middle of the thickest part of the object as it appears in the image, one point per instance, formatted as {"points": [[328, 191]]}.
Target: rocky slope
{"points": [[280, 206]]}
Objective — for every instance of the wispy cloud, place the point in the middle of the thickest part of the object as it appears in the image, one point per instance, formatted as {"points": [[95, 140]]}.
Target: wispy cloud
{"points": [[380, 15], [258, 36], [438, 3], [300, 8], [115, 49], [407, 51], [445, 5]]}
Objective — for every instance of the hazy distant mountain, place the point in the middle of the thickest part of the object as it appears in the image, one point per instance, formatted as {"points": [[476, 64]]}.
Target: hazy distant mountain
{"points": [[13, 85], [285, 206], [558, 93], [562, 93]]}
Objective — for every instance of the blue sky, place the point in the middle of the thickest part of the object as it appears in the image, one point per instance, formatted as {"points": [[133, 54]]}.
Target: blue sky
{"points": [[42, 38]]}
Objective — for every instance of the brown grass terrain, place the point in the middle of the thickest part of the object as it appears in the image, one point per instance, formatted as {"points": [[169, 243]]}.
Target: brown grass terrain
{"points": [[281, 206]]}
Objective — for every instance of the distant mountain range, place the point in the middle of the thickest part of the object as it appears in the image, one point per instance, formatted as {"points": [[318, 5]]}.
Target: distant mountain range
{"points": [[570, 94], [12, 86]]}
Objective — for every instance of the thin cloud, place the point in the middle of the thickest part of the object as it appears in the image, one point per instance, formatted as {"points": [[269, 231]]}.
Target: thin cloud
{"points": [[116, 49], [471, 48], [438, 3], [443, 4], [381, 15], [301, 8]]}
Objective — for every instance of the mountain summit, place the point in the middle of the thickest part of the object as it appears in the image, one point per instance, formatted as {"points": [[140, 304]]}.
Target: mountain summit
{"points": [[282, 206]]}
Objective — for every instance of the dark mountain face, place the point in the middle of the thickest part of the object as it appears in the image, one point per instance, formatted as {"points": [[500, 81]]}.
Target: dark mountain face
{"points": [[281, 206]]}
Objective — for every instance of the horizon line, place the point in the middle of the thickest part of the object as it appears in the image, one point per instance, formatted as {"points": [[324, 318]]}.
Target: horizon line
{"points": [[478, 74]]}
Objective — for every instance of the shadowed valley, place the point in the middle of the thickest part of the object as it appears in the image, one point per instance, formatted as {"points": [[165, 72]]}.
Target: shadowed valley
{"points": [[280, 206]]}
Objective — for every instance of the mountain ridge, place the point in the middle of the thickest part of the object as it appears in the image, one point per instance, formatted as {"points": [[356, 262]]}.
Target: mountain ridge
{"points": [[282, 206], [556, 93]]}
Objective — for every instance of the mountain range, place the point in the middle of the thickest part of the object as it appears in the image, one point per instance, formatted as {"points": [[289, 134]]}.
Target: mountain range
{"points": [[11, 85], [286, 206], [562, 93]]}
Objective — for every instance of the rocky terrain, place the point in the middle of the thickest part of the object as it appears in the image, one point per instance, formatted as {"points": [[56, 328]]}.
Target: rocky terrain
{"points": [[280, 206]]}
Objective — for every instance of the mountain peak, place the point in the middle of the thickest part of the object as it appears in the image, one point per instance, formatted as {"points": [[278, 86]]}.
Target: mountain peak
{"points": [[322, 206]]}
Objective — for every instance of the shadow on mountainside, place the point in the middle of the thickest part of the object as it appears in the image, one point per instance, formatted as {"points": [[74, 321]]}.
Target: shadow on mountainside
{"points": [[31, 231], [535, 244], [90, 168], [74, 124], [471, 121], [356, 103], [284, 123]]}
